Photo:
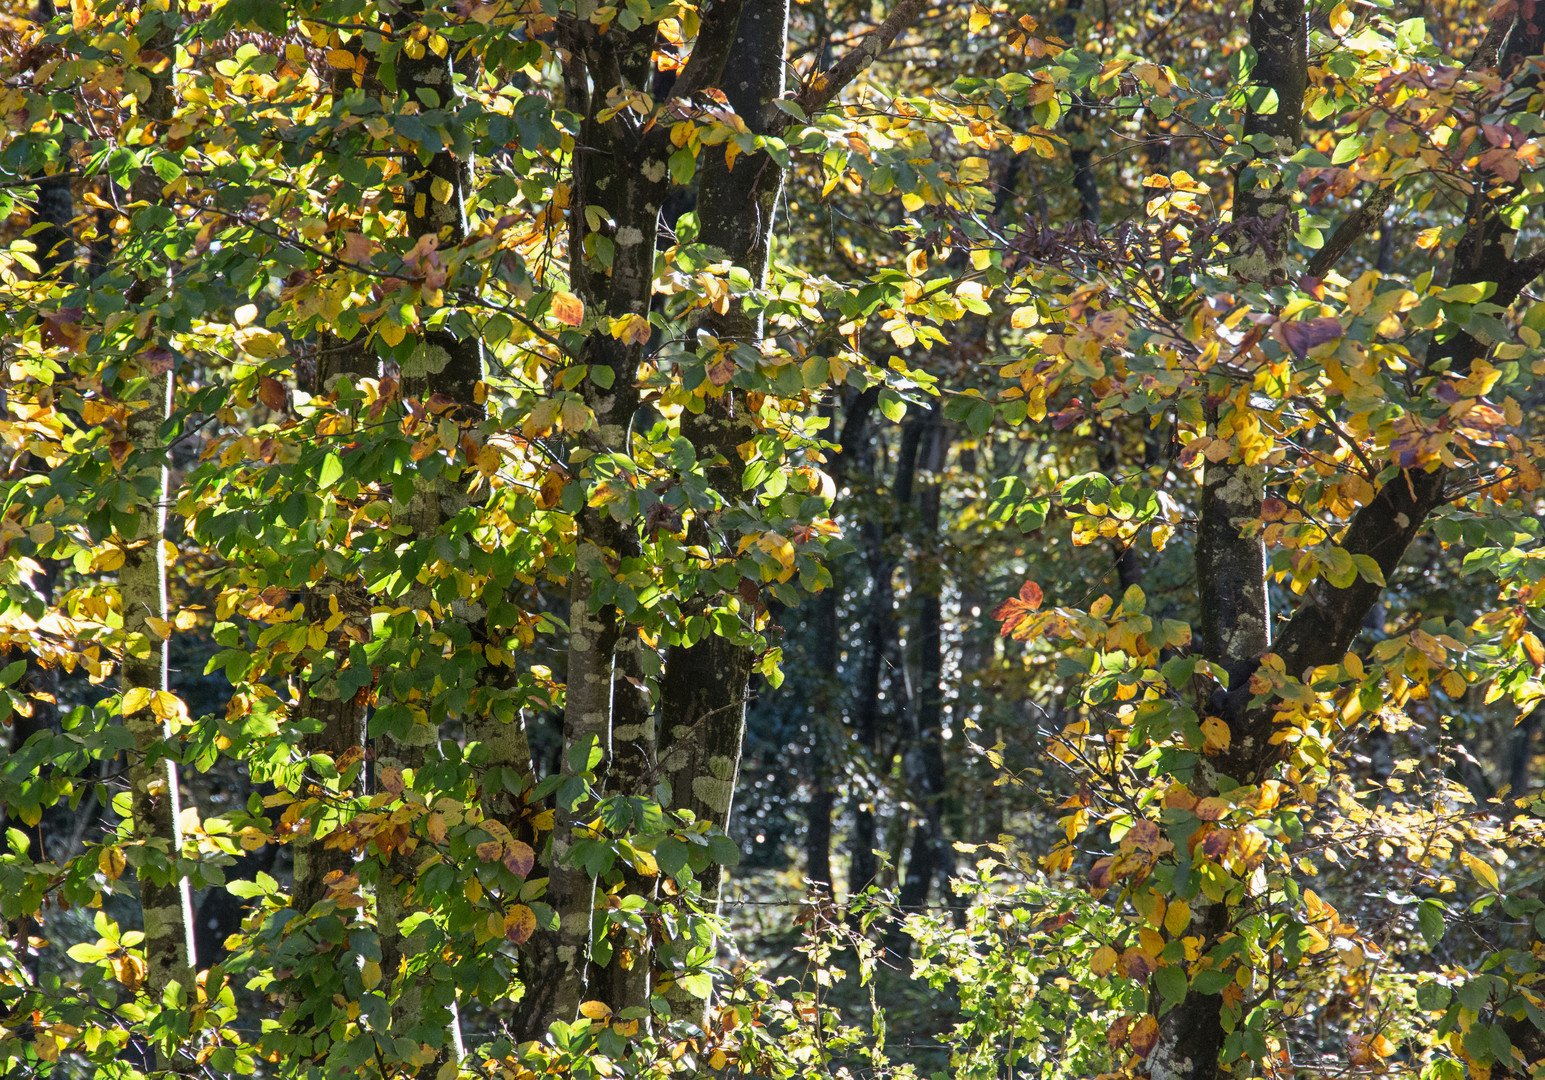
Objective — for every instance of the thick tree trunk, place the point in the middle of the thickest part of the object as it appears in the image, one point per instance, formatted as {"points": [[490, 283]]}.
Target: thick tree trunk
{"points": [[444, 369], [704, 690], [624, 173]]}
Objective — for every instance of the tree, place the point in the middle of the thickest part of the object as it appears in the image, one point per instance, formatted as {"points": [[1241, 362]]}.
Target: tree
{"points": [[493, 464]]}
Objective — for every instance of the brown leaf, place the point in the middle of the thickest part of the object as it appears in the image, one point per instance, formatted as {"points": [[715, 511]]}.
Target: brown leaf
{"points": [[1298, 337], [721, 371], [155, 361], [270, 392], [1145, 1036], [391, 780]]}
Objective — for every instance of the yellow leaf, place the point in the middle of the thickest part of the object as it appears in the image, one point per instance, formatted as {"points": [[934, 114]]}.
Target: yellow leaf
{"points": [[390, 332], [370, 974], [1177, 918], [1216, 733], [111, 861], [1025, 317], [245, 314], [160, 627], [342, 59], [1482, 871], [1103, 961], [136, 699], [917, 263], [595, 1010], [441, 189]]}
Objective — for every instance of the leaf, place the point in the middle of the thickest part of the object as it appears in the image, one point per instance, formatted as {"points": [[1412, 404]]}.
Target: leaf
{"points": [[1298, 337], [519, 924], [722, 370], [1171, 983], [271, 392], [86, 953], [1145, 1036], [1482, 871], [331, 471], [518, 857], [1103, 962], [1015, 610], [567, 308], [595, 1010], [111, 861], [136, 699]]}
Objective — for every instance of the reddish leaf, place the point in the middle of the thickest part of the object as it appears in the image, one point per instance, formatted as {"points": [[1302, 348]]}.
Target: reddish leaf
{"points": [[1015, 611], [1299, 337], [1136, 964], [1145, 1036], [271, 393]]}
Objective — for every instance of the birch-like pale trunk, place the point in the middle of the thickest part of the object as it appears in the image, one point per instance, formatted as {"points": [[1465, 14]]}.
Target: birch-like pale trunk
{"points": [[155, 800]]}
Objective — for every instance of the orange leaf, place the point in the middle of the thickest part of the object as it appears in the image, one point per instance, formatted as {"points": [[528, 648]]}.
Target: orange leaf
{"points": [[567, 308], [1145, 1036]]}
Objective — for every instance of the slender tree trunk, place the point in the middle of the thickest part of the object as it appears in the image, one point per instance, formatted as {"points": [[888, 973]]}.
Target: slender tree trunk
{"points": [[1330, 617], [925, 759], [155, 794], [823, 796], [443, 370]]}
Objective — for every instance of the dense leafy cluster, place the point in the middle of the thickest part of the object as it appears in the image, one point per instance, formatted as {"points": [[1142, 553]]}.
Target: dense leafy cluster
{"points": [[474, 471]]}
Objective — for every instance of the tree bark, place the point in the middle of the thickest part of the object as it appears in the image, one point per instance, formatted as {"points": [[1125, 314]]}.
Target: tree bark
{"points": [[155, 795], [442, 375], [625, 174], [925, 759], [1329, 617]]}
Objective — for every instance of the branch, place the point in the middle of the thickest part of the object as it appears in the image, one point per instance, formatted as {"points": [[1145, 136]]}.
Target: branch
{"points": [[1352, 229], [824, 88]]}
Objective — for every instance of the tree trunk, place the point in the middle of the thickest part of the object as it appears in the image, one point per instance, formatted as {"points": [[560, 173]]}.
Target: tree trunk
{"points": [[442, 375], [155, 794], [1329, 617], [925, 759], [625, 175]]}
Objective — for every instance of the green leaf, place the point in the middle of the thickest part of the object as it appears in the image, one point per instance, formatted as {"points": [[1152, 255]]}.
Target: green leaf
{"points": [[1368, 569], [1347, 150], [723, 850], [1429, 916], [683, 166], [331, 472], [87, 953], [12, 672], [1171, 982]]}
